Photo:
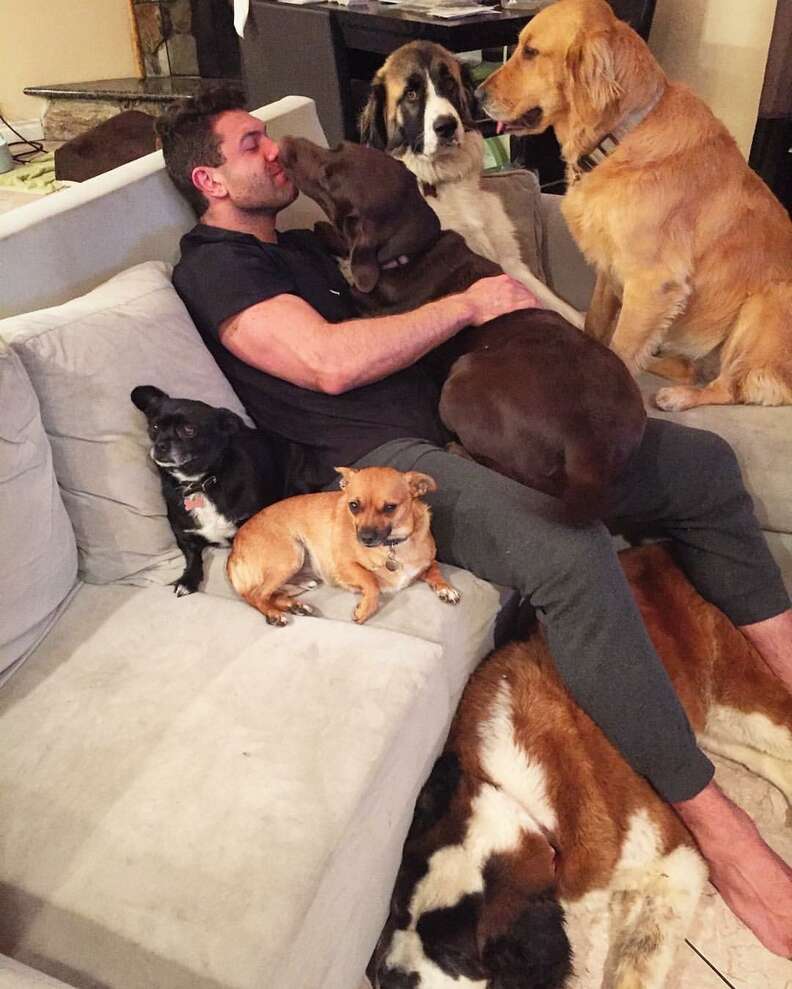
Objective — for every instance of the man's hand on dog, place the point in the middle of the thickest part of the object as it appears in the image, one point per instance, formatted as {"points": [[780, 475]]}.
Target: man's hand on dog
{"points": [[497, 295]]}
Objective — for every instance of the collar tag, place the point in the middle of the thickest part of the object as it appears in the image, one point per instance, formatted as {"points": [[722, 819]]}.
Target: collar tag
{"points": [[194, 501], [398, 262]]}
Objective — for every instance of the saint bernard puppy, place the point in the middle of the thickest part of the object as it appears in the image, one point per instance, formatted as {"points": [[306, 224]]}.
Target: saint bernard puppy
{"points": [[531, 809], [420, 110]]}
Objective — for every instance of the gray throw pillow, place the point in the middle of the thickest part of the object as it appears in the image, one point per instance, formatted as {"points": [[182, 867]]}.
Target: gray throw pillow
{"points": [[39, 553], [84, 357]]}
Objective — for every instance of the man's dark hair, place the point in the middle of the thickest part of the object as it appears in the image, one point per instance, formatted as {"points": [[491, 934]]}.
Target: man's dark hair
{"points": [[188, 140]]}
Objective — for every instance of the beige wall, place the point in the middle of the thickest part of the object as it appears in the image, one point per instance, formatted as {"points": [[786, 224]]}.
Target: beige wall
{"points": [[48, 41], [719, 48]]}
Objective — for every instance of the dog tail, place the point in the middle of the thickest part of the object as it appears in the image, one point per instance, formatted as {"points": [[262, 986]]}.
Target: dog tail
{"points": [[594, 459], [586, 491], [245, 579], [758, 357]]}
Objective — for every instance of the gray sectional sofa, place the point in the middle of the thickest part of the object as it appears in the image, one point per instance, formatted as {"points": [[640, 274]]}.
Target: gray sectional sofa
{"points": [[188, 797]]}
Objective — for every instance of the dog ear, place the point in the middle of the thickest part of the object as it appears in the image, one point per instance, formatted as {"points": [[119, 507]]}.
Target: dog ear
{"points": [[362, 254], [591, 69], [521, 936], [470, 109], [331, 239], [534, 953], [448, 935], [436, 794], [228, 422], [148, 398], [420, 484], [371, 123], [347, 473]]}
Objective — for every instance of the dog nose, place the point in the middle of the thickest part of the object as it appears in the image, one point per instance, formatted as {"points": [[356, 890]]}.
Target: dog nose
{"points": [[445, 127], [369, 537]]}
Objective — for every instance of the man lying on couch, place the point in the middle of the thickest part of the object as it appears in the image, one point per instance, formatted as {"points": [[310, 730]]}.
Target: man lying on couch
{"points": [[277, 317]]}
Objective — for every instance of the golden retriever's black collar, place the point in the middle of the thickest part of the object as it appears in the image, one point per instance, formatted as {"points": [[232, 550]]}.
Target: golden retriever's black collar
{"points": [[607, 145], [589, 161]]}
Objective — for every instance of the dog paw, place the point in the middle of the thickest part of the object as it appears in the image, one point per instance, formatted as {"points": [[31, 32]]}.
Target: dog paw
{"points": [[276, 618], [301, 608], [676, 399], [362, 613], [181, 589], [449, 594]]}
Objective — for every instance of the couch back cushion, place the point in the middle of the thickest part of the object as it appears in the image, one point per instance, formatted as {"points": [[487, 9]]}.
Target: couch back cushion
{"points": [[518, 190], [39, 552], [84, 357]]}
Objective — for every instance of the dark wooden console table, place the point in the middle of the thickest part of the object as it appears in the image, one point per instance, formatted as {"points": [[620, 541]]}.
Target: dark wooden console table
{"points": [[330, 52]]}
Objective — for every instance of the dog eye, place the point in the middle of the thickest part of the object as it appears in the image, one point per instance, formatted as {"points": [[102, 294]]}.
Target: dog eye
{"points": [[155, 427], [187, 431], [354, 507], [411, 95], [389, 509], [529, 52]]}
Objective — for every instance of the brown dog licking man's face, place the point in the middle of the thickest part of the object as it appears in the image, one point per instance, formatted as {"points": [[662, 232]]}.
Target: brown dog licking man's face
{"points": [[525, 393], [340, 179]]}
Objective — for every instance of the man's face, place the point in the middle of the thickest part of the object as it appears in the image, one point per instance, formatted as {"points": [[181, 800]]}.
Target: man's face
{"points": [[251, 173]]}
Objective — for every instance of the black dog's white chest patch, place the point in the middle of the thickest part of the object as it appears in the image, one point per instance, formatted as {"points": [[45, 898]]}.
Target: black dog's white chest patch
{"points": [[210, 524]]}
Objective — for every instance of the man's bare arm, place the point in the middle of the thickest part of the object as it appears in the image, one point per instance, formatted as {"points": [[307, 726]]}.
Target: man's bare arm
{"points": [[288, 339]]}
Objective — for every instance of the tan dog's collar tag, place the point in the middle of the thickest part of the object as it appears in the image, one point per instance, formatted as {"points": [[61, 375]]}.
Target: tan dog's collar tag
{"points": [[392, 563]]}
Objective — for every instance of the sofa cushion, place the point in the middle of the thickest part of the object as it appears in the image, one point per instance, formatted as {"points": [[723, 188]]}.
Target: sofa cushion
{"points": [[414, 611], [518, 190], [195, 797], [16, 976], [84, 357], [39, 553]]}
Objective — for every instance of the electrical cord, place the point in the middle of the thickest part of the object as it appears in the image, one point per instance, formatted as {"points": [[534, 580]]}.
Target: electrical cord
{"points": [[21, 156]]}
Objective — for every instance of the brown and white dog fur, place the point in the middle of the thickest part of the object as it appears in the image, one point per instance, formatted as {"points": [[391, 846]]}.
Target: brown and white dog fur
{"points": [[420, 110], [693, 252], [371, 536], [531, 809]]}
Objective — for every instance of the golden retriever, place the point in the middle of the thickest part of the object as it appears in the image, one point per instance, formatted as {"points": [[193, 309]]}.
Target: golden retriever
{"points": [[692, 251]]}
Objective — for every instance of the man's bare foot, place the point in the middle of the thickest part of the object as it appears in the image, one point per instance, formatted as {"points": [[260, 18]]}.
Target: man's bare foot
{"points": [[755, 883]]}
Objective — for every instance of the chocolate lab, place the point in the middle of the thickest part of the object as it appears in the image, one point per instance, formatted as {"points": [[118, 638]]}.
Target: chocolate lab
{"points": [[526, 394]]}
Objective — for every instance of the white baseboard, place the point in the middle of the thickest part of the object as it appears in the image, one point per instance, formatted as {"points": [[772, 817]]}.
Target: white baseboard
{"points": [[30, 130]]}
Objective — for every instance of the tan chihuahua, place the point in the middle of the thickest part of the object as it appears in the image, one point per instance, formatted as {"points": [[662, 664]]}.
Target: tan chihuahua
{"points": [[373, 535]]}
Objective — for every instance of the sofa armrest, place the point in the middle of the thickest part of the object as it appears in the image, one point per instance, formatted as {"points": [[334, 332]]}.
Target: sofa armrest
{"points": [[568, 273]]}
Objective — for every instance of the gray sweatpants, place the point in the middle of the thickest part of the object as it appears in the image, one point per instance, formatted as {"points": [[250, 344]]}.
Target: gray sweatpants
{"points": [[683, 483]]}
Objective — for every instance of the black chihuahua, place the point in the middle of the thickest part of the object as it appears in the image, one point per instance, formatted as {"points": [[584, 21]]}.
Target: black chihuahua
{"points": [[215, 472]]}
